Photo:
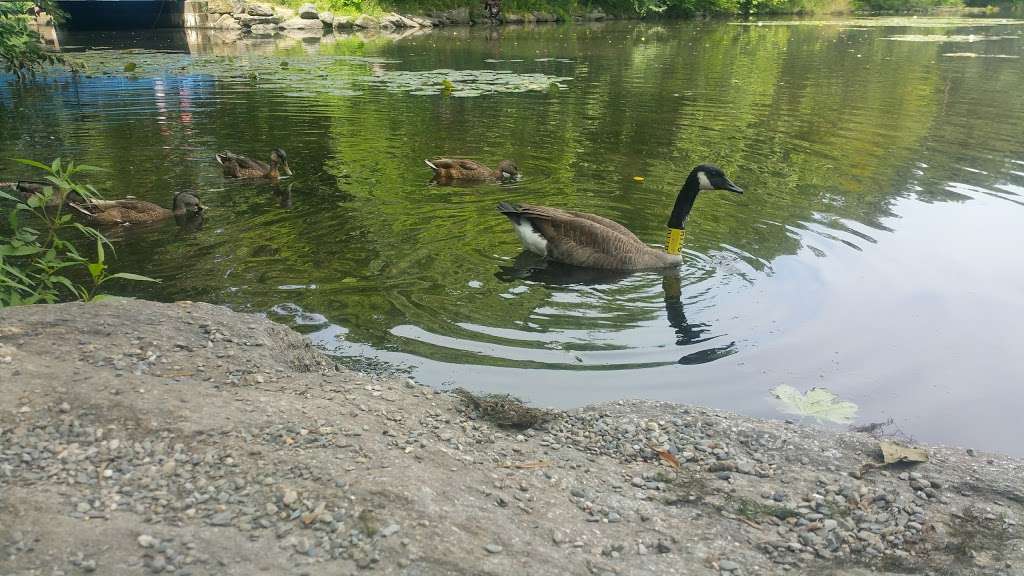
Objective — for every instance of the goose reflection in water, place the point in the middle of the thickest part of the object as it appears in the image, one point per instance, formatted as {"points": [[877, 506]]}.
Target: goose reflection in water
{"points": [[528, 266]]}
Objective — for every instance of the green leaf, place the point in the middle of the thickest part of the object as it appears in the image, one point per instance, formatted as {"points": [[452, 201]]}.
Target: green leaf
{"points": [[7, 196], [818, 403], [130, 276], [32, 163], [10, 250], [55, 167], [96, 271], [100, 257]]}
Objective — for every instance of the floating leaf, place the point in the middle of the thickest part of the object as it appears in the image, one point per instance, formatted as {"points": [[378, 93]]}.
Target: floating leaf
{"points": [[639, 178], [817, 402], [130, 67], [893, 453]]}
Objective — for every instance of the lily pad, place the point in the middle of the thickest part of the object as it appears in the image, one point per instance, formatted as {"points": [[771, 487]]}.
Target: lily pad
{"points": [[818, 403], [464, 83]]}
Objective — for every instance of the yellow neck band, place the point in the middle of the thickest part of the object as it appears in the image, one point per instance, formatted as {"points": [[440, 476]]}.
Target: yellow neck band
{"points": [[674, 241]]}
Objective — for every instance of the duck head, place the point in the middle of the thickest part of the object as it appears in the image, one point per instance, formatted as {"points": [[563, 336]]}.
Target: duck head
{"points": [[702, 178], [508, 170], [187, 204], [277, 156]]}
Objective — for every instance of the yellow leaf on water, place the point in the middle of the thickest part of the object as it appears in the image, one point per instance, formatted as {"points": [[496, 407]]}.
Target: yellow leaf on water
{"points": [[639, 178]]}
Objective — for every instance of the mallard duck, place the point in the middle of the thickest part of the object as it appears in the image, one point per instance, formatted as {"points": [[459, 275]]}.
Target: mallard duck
{"points": [[133, 211], [238, 166], [25, 189], [592, 241], [462, 169]]}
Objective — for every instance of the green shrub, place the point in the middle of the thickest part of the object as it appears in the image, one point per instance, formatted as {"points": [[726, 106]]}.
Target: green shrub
{"points": [[21, 51], [39, 263]]}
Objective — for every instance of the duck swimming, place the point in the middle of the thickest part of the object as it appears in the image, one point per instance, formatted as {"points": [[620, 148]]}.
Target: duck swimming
{"points": [[132, 211], [238, 166], [25, 189], [446, 169], [593, 241]]}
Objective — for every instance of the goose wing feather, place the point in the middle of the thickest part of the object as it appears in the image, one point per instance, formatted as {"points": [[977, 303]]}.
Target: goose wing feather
{"points": [[584, 239]]}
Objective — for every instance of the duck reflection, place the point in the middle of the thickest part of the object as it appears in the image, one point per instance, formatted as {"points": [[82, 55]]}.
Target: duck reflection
{"points": [[283, 194], [528, 266]]}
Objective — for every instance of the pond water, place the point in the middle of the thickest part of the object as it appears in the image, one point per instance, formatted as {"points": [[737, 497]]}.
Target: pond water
{"points": [[876, 252]]}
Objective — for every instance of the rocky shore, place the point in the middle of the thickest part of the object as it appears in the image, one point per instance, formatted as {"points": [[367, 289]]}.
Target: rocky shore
{"points": [[145, 438], [264, 19]]}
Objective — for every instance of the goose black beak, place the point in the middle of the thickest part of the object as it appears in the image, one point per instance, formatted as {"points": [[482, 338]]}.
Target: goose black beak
{"points": [[730, 186]]}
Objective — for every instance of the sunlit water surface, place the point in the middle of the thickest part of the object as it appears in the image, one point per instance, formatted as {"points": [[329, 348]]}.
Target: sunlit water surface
{"points": [[877, 251]]}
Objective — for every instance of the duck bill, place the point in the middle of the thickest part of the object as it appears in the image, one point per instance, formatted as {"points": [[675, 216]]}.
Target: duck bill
{"points": [[287, 170]]}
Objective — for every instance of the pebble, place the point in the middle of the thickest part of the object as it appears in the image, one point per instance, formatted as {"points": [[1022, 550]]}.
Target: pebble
{"points": [[390, 529], [637, 481], [493, 548], [147, 541], [728, 566]]}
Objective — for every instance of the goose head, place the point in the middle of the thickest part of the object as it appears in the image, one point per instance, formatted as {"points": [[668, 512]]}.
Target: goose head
{"points": [[508, 170], [278, 157], [702, 178]]}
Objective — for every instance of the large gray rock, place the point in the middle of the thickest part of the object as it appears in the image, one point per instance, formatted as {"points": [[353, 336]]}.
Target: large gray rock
{"points": [[248, 21], [544, 17], [302, 24], [260, 10], [396, 21], [594, 15], [308, 12], [227, 22], [512, 18], [239, 7], [220, 7], [264, 29], [343, 22], [366, 21], [327, 18], [423, 22]]}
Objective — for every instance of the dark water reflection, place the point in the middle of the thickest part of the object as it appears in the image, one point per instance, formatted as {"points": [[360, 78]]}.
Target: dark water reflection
{"points": [[875, 252]]}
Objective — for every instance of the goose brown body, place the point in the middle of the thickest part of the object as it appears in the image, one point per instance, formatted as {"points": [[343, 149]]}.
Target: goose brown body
{"points": [[462, 169], [584, 239], [239, 166]]}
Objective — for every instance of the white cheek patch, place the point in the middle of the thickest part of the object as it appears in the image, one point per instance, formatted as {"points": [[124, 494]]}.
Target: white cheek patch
{"points": [[705, 184], [530, 238]]}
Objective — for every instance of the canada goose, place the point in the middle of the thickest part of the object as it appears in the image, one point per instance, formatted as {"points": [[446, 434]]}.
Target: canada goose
{"points": [[238, 166], [132, 211], [593, 241], [446, 169]]}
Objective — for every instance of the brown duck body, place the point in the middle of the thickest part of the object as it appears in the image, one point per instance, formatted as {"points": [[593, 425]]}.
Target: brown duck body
{"points": [[238, 166], [583, 239], [133, 211], [26, 189], [470, 170]]}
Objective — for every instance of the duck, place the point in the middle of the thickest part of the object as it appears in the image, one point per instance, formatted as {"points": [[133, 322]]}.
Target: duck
{"points": [[133, 211], [25, 189], [238, 166], [462, 169], [592, 241]]}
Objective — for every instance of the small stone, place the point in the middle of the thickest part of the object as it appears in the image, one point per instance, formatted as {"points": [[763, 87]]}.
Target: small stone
{"points": [[390, 530], [221, 519], [88, 565], [578, 493], [83, 507], [493, 549], [64, 407], [614, 517], [637, 481], [147, 541], [728, 566]]}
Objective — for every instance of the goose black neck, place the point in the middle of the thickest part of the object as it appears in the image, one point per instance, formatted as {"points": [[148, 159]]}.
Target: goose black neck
{"points": [[684, 202]]}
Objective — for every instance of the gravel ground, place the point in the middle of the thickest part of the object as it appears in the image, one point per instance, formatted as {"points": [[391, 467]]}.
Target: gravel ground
{"points": [[145, 438]]}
